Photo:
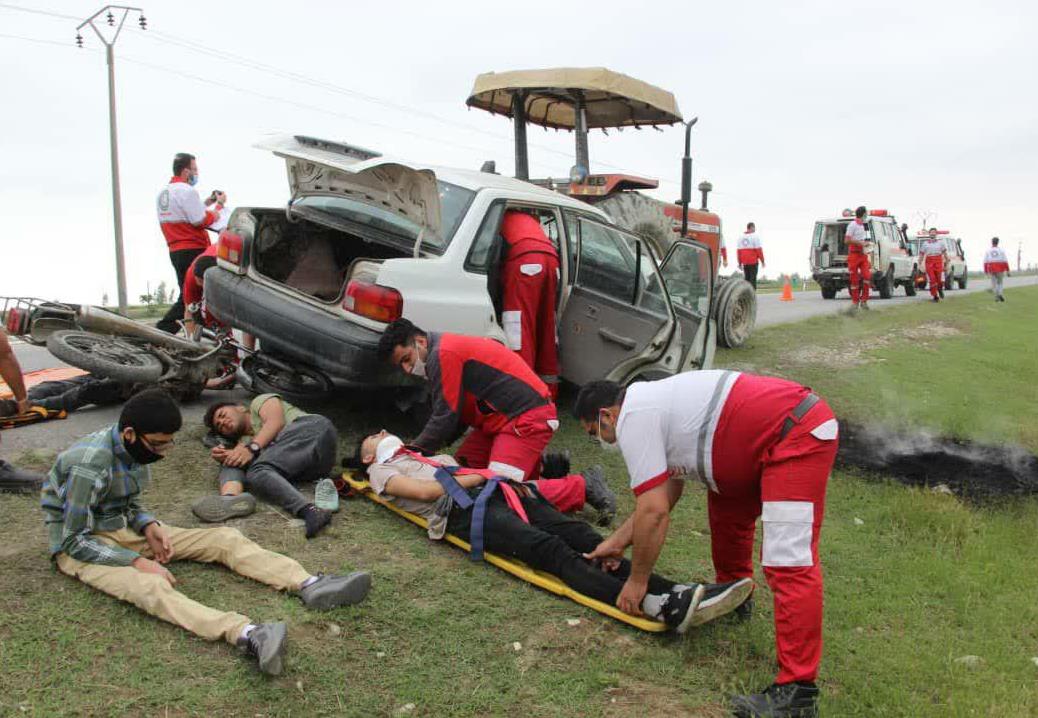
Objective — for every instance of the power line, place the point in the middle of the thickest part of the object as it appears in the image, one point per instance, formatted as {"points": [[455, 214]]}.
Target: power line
{"points": [[34, 11]]}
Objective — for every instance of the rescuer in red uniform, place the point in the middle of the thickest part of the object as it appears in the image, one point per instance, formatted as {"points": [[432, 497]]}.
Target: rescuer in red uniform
{"points": [[934, 250], [858, 261], [529, 291], [479, 383]]}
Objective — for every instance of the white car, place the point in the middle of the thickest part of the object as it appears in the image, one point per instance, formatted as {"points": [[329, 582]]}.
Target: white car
{"points": [[364, 240]]}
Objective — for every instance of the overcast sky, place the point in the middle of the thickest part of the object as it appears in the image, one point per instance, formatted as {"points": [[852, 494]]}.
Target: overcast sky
{"points": [[804, 109]]}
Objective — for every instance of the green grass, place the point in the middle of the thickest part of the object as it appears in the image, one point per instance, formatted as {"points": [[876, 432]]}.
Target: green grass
{"points": [[921, 581]]}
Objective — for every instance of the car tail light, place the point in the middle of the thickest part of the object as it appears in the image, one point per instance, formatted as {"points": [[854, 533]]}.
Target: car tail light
{"points": [[372, 301], [229, 248], [14, 321]]}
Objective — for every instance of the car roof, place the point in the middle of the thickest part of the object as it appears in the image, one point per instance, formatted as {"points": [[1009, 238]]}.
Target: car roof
{"points": [[476, 181], [882, 218]]}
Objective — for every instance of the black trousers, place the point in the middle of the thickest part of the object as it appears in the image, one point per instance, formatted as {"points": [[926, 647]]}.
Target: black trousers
{"points": [[303, 451], [552, 542], [749, 271], [181, 260], [77, 392]]}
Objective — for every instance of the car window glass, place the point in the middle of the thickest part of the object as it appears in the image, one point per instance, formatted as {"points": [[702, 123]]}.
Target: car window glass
{"points": [[687, 276], [651, 293], [607, 263], [481, 245]]}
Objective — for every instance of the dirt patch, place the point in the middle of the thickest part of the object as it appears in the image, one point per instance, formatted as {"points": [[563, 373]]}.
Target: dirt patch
{"points": [[979, 472], [933, 331], [654, 700]]}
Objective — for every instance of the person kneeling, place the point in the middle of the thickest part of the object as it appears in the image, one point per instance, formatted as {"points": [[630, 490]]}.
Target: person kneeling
{"points": [[278, 446], [102, 535], [520, 524]]}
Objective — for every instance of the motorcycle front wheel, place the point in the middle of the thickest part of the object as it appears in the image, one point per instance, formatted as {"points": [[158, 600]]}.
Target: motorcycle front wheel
{"points": [[105, 356]]}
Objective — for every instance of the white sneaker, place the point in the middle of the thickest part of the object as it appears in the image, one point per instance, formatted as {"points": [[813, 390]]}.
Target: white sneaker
{"points": [[326, 496]]}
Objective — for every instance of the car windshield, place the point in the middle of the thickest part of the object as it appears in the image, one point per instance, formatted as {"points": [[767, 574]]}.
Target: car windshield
{"points": [[454, 201]]}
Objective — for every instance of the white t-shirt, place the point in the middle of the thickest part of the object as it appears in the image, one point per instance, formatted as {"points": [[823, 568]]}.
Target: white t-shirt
{"points": [[856, 233], [933, 248], [666, 428]]}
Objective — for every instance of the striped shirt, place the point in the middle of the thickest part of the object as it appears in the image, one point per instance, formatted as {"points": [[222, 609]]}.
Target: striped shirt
{"points": [[94, 486]]}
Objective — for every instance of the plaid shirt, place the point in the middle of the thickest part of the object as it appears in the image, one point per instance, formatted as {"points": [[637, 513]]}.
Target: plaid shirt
{"points": [[94, 486]]}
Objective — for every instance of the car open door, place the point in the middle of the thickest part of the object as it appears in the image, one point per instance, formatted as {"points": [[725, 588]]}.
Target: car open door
{"points": [[686, 271], [617, 317]]}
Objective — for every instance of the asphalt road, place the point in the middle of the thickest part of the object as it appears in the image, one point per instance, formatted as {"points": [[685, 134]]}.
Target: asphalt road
{"points": [[771, 310]]}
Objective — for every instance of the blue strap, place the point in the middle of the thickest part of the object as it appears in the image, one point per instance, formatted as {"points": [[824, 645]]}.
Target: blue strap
{"points": [[479, 517], [445, 477]]}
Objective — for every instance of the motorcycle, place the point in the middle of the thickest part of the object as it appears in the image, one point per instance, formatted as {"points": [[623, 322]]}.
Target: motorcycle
{"points": [[112, 346]]}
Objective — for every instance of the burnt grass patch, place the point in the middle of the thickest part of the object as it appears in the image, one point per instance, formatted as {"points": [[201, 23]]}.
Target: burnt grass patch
{"points": [[982, 473]]}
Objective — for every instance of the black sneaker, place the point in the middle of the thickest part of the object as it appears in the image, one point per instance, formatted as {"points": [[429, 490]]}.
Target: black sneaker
{"points": [[266, 644], [9, 407], [334, 591], [744, 611], [679, 607], [788, 700], [720, 599], [16, 480], [214, 509], [315, 519], [599, 495]]}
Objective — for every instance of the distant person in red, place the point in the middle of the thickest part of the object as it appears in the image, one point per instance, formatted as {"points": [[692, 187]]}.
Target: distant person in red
{"points": [[479, 384], [183, 219], [934, 251], [749, 254], [529, 287], [996, 263], [860, 278]]}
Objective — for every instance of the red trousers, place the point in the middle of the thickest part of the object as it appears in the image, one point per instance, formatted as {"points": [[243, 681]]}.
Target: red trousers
{"points": [[515, 451], [790, 494], [935, 274], [860, 274]]}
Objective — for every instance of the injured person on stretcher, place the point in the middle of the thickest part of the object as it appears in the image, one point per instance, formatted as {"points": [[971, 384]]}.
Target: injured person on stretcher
{"points": [[518, 523]]}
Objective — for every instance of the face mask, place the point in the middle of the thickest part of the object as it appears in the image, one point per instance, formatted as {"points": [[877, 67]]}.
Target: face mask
{"points": [[192, 180], [606, 446], [418, 368], [385, 449], [141, 454]]}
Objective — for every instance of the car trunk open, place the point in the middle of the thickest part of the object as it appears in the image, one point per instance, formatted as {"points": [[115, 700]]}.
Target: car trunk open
{"points": [[309, 257], [830, 244]]}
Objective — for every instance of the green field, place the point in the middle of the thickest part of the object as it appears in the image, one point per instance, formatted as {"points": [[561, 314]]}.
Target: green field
{"points": [[915, 580]]}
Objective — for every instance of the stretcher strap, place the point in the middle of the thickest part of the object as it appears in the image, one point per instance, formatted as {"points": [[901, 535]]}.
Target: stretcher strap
{"points": [[445, 477]]}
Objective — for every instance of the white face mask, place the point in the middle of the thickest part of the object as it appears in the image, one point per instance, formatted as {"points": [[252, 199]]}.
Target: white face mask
{"points": [[606, 446], [418, 367], [385, 448]]}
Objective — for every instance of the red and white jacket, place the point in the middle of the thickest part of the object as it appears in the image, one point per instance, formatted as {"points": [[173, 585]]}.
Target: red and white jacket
{"points": [[749, 251], [934, 250], [995, 260], [182, 216]]}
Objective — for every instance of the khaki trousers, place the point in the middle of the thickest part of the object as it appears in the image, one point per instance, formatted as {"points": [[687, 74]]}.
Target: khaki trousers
{"points": [[155, 596]]}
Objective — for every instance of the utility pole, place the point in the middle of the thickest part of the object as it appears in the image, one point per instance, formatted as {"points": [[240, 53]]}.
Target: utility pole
{"points": [[117, 210]]}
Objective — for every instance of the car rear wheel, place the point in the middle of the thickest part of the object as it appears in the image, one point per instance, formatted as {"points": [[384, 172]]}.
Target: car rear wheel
{"points": [[948, 280], [299, 382], [828, 292], [962, 279]]}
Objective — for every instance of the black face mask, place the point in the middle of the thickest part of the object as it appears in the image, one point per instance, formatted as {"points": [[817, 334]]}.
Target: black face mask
{"points": [[141, 453]]}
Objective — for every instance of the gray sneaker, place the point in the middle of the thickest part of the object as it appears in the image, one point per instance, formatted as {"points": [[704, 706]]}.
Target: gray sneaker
{"points": [[17, 480], [267, 644], [214, 509], [599, 495], [720, 599], [332, 591], [326, 496]]}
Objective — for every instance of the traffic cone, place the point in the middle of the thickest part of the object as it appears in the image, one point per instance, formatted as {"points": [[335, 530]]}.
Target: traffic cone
{"points": [[787, 292]]}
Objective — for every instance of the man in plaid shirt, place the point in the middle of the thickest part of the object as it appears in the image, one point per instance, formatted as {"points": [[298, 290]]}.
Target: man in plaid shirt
{"points": [[102, 535]]}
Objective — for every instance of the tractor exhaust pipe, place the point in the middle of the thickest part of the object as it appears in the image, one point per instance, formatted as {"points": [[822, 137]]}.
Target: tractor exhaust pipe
{"points": [[686, 176]]}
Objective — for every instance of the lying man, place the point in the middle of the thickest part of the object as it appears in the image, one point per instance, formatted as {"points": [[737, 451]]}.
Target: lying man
{"points": [[102, 535], [71, 394], [521, 524], [276, 446]]}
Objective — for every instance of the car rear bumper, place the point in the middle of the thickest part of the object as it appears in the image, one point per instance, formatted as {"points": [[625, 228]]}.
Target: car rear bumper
{"points": [[293, 330]]}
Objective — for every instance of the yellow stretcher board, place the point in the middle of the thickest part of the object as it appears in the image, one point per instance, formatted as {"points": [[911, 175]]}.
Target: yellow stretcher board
{"points": [[516, 568]]}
